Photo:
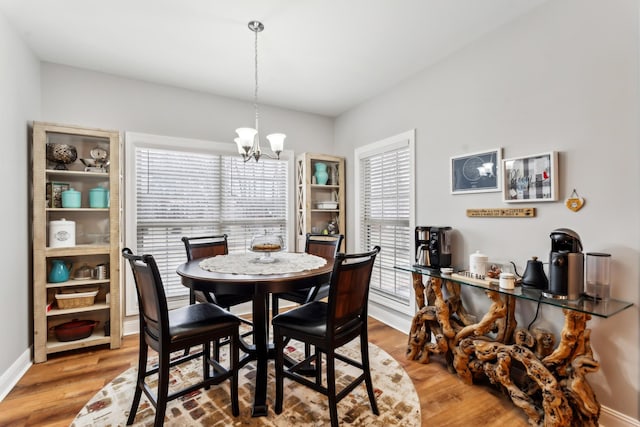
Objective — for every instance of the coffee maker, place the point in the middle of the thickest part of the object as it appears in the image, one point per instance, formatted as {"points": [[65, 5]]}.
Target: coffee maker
{"points": [[566, 265], [433, 246]]}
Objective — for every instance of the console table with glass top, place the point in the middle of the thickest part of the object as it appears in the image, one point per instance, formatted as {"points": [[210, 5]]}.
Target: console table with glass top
{"points": [[547, 381]]}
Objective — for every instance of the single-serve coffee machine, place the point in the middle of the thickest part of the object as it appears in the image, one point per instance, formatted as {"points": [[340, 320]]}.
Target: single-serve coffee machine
{"points": [[566, 265], [433, 246]]}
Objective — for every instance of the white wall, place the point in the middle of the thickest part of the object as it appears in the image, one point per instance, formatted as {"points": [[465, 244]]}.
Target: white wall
{"points": [[564, 78], [19, 103], [30, 90], [87, 98]]}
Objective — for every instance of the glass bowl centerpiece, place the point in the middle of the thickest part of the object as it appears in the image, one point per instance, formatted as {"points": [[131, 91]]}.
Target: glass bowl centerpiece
{"points": [[265, 244]]}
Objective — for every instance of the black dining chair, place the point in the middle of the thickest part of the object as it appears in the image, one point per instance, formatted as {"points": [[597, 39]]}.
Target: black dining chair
{"points": [[206, 247], [328, 326], [176, 330], [322, 245]]}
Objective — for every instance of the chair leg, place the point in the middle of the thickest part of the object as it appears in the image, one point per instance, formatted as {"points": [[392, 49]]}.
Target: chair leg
{"points": [[318, 362], [206, 367], [142, 371], [234, 362], [331, 388], [364, 351], [307, 350], [279, 367], [192, 300], [163, 389], [274, 305], [216, 349]]}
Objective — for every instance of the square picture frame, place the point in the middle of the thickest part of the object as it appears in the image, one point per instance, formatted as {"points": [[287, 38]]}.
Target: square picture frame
{"points": [[478, 172], [531, 178]]}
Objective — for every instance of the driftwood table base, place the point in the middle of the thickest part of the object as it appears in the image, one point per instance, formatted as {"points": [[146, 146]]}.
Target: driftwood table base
{"points": [[548, 383]]}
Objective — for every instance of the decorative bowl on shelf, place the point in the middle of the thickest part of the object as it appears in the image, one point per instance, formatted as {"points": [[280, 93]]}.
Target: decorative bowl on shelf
{"points": [[265, 244], [74, 330], [82, 273], [326, 205], [61, 154]]}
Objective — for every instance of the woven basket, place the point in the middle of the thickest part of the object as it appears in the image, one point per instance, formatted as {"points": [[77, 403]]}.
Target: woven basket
{"points": [[83, 299]]}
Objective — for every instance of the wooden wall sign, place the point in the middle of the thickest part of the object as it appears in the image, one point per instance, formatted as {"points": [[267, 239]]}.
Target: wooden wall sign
{"points": [[502, 213]]}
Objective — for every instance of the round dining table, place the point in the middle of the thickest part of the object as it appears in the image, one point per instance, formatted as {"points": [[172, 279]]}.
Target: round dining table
{"points": [[260, 286]]}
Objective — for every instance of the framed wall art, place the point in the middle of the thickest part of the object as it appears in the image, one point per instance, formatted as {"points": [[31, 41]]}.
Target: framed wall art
{"points": [[531, 178], [476, 172]]}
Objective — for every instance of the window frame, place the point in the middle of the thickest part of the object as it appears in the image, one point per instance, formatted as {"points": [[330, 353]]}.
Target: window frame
{"points": [[134, 140], [388, 144]]}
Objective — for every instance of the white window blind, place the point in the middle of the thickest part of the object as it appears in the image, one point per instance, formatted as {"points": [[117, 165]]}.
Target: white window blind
{"points": [[254, 199], [182, 193], [385, 193]]}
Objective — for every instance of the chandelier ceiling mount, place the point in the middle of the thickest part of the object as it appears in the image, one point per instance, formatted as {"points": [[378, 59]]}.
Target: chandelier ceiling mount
{"points": [[248, 139]]}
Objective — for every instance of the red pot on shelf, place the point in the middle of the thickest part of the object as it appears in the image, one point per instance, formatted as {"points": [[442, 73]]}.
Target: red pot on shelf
{"points": [[74, 330]]}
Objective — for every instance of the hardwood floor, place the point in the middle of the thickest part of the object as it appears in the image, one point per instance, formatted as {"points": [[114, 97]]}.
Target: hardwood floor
{"points": [[53, 392], [444, 399]]}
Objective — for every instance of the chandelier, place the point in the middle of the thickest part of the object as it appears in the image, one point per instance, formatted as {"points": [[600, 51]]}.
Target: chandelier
{"points": [[248, 139]]}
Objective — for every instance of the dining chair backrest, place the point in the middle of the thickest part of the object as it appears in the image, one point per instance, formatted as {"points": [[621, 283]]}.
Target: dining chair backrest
{"points": [[152, 301], [325, 246], [349, 290], [205, 246]]}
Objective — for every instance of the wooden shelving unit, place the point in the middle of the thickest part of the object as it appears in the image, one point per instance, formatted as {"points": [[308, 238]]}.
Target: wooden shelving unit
{"points": [[90, 222], [310, 218]]}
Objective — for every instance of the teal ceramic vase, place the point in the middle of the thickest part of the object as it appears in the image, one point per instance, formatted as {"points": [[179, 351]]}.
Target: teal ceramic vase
{"points": [[322, 176]]}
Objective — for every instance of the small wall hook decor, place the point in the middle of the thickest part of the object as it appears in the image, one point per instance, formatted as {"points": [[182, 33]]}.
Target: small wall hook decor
{"points": [[574, 202]]}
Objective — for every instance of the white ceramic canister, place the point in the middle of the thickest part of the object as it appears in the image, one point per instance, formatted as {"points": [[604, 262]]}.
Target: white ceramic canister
{"points": [[62, 233], [507, 281], [478, 263]]}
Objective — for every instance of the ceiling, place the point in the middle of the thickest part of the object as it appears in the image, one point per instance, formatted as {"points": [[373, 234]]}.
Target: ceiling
{"points": [[316, 56]]}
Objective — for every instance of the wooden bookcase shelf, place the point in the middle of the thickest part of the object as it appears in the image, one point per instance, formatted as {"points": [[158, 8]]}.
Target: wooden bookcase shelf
{"points": [[91, 224], [310, 218]]}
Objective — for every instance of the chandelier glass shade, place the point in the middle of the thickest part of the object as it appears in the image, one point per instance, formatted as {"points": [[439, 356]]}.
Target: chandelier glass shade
{"points": [[248, 140]]}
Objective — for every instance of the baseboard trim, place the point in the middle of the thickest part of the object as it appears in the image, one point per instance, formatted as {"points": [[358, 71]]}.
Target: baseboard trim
{"points": [[130, 326], [10, 378], [611, 418], [390, 317]]}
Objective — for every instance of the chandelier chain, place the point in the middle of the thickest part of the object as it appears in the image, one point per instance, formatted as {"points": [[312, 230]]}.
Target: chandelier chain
{"points": [[248, 140], [255, 92]]}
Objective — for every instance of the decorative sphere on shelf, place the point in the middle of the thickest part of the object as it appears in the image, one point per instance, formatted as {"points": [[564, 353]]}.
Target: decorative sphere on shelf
{"points": [[61, 154]]}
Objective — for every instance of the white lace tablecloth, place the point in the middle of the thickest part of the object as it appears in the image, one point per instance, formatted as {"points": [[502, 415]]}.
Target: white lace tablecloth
{"points": [[247, 263]]}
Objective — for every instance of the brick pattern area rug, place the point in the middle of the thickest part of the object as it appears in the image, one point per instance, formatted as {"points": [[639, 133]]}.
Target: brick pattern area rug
{"points": [[396, 397]]}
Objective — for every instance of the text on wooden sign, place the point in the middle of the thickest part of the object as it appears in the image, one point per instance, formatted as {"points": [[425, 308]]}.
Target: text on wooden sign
{"points": [[502, 213]]}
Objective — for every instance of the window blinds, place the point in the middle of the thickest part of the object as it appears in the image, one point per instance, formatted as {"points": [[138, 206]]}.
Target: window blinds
{"points": [[181, 193], [385, 217]]}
